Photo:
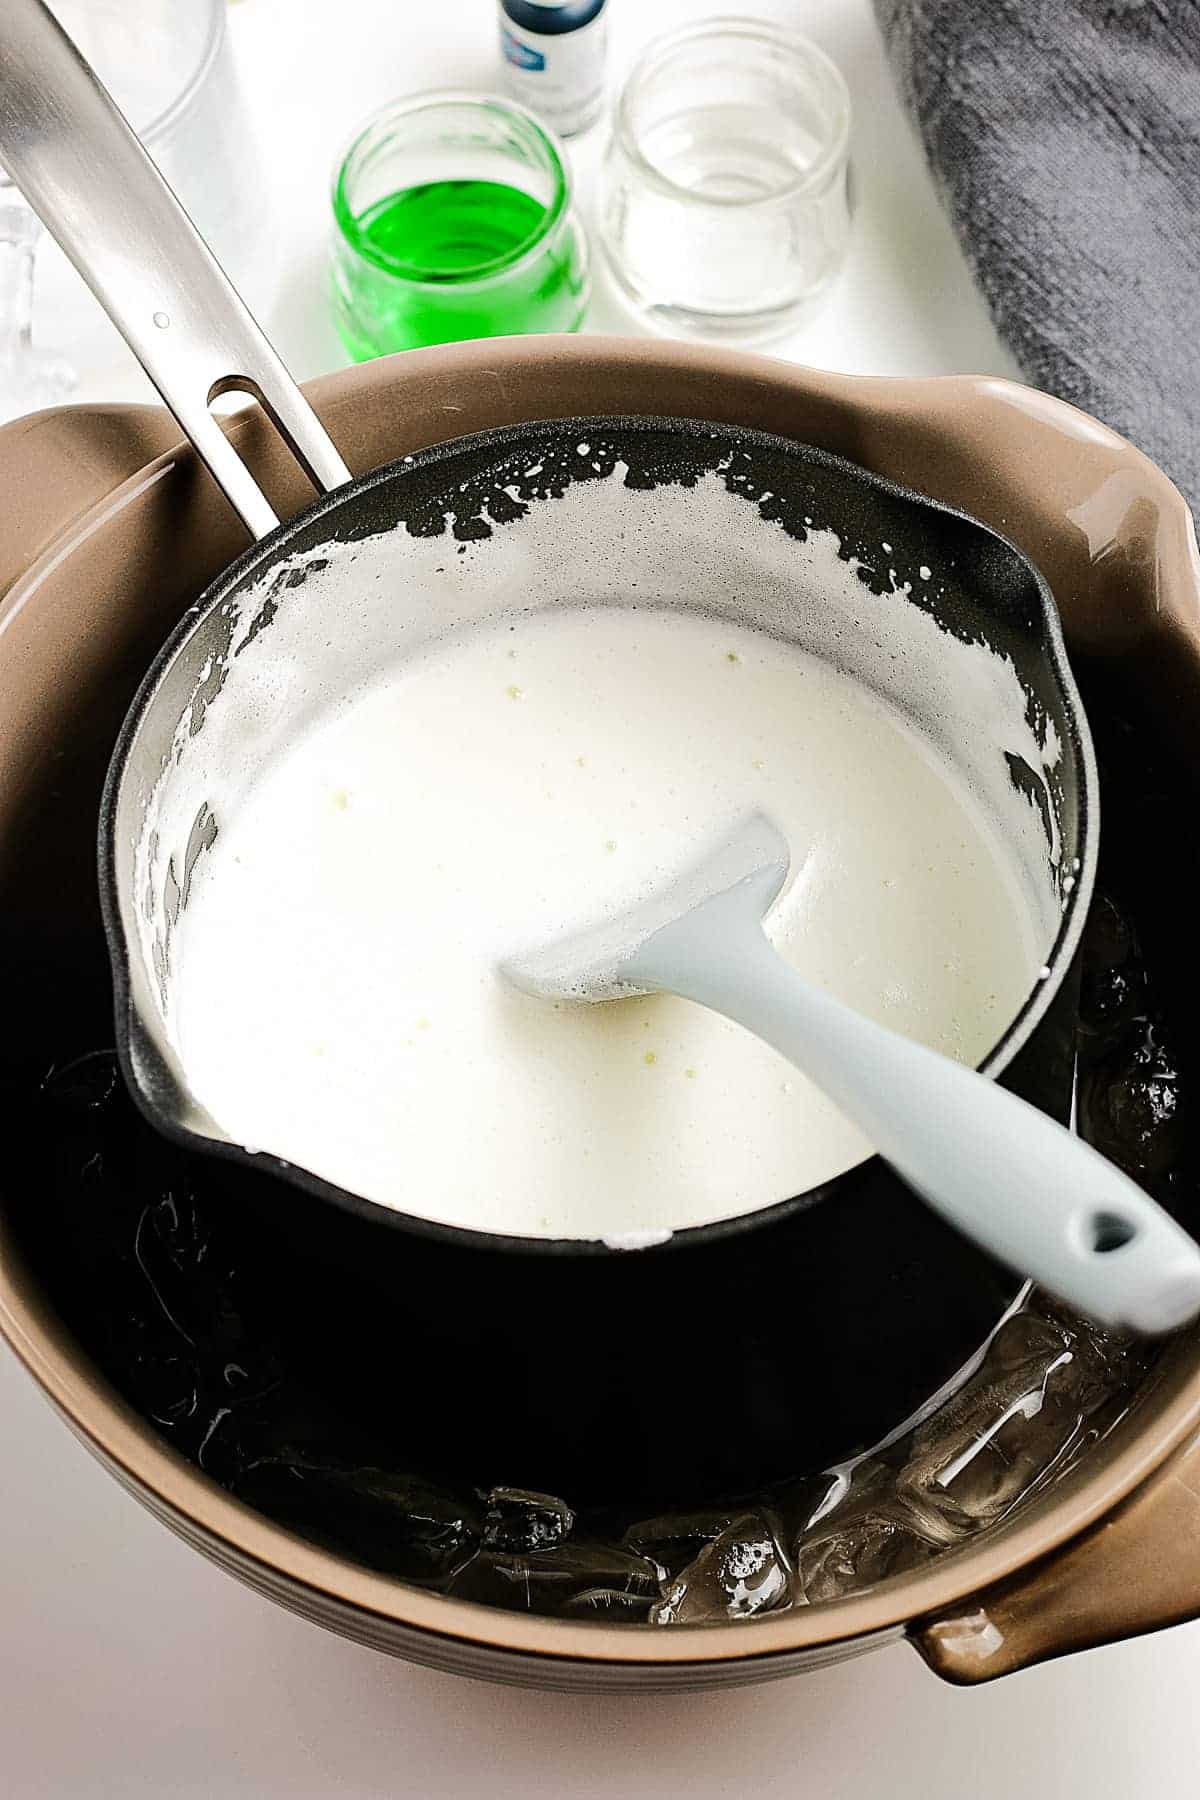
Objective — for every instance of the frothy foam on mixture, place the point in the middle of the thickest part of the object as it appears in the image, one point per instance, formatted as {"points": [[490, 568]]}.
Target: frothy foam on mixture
{"points": [[450, 757]]}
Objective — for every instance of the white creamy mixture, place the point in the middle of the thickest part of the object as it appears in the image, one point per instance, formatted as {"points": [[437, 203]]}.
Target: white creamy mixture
{"points": [[338, 1000]]}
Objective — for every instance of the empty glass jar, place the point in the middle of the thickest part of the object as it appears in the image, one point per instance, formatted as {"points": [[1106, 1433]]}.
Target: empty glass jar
{"points": [[724, 206]]}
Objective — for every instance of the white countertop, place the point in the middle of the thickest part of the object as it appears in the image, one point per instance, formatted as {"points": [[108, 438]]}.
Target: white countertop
{"points": [[128, 1666]]}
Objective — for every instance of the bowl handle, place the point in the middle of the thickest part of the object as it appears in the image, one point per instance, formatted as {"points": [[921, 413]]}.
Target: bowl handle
{"points": [[55, 465], [1138, 1570]]}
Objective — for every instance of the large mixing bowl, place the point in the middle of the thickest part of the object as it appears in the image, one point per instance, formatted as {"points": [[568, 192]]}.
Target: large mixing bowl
{"points": [[104, 567]]}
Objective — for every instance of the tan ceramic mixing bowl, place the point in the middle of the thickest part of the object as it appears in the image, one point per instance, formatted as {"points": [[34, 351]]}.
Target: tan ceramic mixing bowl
{"points": [[111, 529]]}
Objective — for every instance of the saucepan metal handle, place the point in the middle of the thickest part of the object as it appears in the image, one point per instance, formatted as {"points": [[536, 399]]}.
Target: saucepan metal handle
{"points": [[87, 176]]}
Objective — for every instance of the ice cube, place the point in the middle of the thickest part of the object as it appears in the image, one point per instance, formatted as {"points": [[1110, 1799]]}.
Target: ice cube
{"points": [[673, 1540], [519, 1521], [740, 1574], [566, 1581], [1131, 1104], [849, 1554], [1113, 982], [396, 1522], [1015, 1423]]}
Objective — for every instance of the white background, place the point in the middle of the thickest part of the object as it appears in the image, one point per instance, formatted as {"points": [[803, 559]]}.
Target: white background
{"points": [[128, 1666]]}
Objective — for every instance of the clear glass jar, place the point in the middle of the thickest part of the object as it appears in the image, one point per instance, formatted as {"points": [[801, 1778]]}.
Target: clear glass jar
{"points": [[453, 219], [724, 196]]}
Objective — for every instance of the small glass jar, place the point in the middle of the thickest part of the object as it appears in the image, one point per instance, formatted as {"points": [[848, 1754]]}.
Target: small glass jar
{"points": [[453, 219], [724, 196]]}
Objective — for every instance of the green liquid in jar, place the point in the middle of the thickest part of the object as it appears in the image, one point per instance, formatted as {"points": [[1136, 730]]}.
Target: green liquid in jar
{"points": [[455, 259], [450, 226]]}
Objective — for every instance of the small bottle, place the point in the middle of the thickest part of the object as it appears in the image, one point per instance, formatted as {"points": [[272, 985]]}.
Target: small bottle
{"points": [[554, 54]]}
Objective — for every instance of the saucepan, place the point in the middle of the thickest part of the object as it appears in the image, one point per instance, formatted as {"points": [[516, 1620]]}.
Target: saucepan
{"points": [[881, 1304]]}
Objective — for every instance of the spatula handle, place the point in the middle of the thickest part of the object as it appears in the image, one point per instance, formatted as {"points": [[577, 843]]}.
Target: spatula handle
{"points": [[1005, 1174], [89, 179]]}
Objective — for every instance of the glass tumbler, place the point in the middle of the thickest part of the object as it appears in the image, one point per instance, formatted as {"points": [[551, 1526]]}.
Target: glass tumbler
{"points": [[168, 65], [724, 198], [453, 219]]}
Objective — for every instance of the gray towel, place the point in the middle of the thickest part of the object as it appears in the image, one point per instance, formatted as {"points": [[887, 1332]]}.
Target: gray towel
{"points": [[1065, 139]]}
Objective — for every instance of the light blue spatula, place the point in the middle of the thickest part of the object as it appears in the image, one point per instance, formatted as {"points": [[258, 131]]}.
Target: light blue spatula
{"points": [[1005, 1174]]}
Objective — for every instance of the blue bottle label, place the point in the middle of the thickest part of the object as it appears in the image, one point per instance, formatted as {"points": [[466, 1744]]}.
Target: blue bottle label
{"points": [[521, 56], [560, 74]]}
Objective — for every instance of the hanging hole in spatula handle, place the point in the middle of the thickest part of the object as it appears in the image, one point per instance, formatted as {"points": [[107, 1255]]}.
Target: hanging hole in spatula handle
{"points": [[87, 176], [1108, 1231]]}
